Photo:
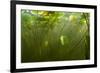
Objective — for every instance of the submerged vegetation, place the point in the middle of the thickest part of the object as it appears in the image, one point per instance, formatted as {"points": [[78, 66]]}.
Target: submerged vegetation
{"points": [[54, 36]]}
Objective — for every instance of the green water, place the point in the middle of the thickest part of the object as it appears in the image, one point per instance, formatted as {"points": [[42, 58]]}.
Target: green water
{"points": [[54, 36]]}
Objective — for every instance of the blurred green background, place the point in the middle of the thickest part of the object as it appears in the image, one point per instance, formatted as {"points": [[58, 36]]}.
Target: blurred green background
{"points": [[54, 36]]}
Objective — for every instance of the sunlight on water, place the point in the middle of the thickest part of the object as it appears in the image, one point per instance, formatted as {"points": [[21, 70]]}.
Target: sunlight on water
{"points": [[62, 39], [46, 43]]}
